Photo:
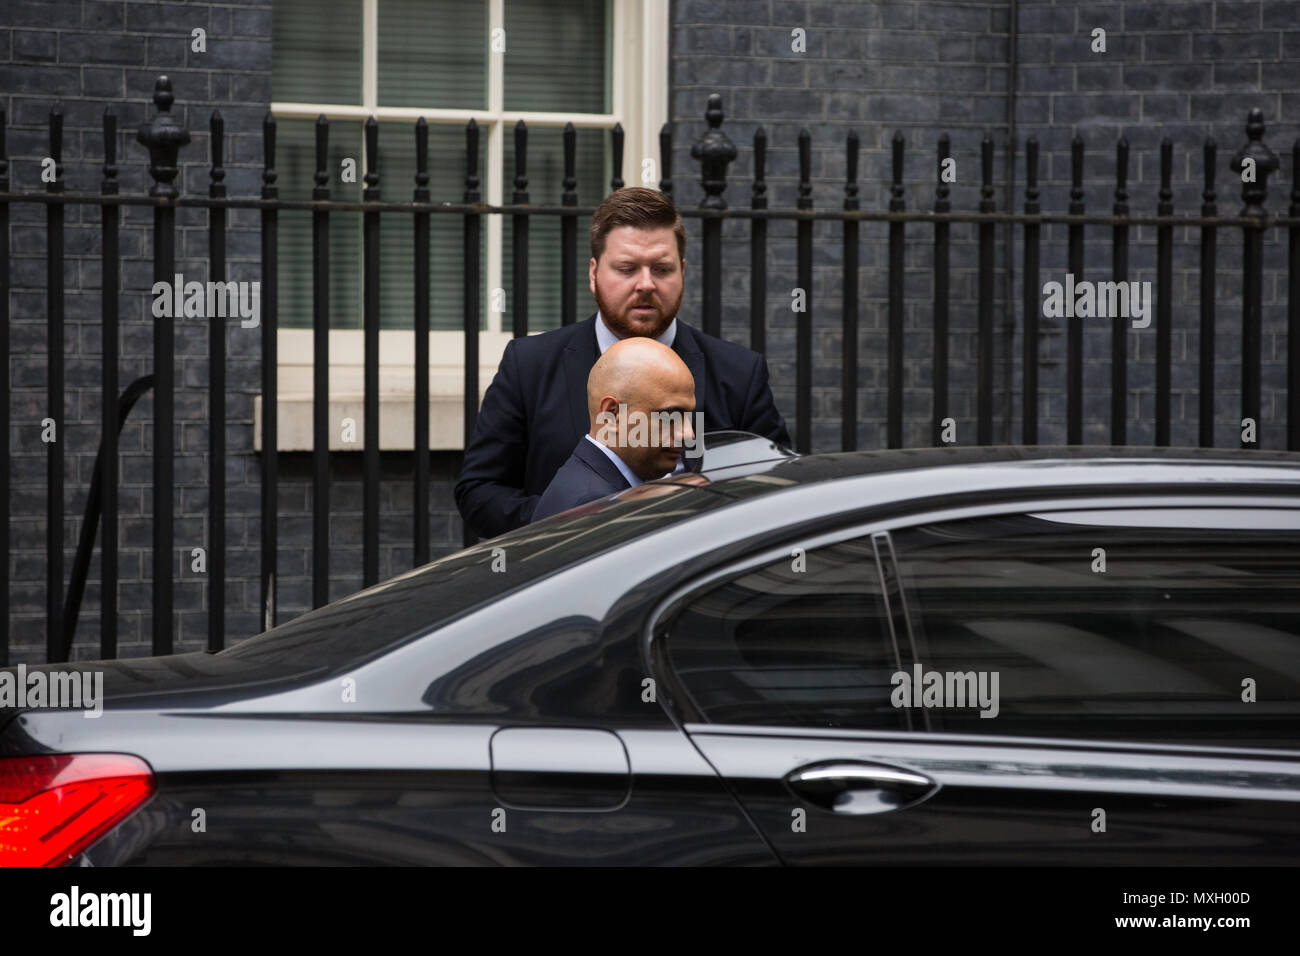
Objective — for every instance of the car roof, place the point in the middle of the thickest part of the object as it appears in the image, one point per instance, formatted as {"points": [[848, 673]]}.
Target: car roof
{"points": [[413, 603], [828, 467]]}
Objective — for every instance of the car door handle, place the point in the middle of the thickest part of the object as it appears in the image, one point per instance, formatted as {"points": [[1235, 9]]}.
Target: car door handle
{"points": [[856, 787]]}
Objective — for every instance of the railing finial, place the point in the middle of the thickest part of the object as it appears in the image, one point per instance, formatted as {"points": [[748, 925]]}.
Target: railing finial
{"points": [[163, 137], [713, 151], [1262, 161]]}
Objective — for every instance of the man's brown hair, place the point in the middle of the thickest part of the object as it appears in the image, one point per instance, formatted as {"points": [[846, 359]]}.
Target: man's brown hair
{"points": [[638, 207]]}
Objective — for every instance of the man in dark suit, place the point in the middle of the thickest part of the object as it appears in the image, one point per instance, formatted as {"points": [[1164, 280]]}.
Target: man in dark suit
{"points": [[535, 410], [640, 398]]}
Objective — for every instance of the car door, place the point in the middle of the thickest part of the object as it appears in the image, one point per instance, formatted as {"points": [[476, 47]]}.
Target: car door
{"points": [[1071, 682]]}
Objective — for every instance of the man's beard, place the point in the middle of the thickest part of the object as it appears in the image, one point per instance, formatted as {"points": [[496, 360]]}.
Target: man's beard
{"points": [[630, 324]]}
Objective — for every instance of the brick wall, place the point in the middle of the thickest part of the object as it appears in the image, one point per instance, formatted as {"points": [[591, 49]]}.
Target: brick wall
{"points": [[1185, 69], [95, 55]]}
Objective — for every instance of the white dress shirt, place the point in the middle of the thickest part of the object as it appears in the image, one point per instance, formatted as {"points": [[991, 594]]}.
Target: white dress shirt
{"points": [[605, 338]]}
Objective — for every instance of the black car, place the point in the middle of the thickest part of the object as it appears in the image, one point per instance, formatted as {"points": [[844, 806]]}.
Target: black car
{"points": [[939, 656]]}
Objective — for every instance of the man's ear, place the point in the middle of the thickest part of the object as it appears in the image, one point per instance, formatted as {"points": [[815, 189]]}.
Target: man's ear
{"points": [[591, 275]]}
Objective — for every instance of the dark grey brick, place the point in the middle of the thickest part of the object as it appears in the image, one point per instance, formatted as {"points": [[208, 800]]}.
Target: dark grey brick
{"points": [[246, 22], [180, 18], [952, 18], [1142, 15], [1142, 77], [1100, 76], [1235, 46], [1040, 18], [1236, 14], [34, 45], [959, 49], [1157, 47], [103, 81], [897, 15], [101, 48]]}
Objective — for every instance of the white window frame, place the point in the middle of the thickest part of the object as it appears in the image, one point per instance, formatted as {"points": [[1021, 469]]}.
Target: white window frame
{"points": [[639, 88]]}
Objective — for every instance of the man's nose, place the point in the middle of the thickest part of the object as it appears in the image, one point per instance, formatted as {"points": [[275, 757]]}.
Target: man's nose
{"points": [[645, 279]]}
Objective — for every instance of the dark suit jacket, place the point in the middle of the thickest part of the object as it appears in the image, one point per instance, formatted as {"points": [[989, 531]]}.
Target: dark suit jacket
{"points": [[535, 411], [586, 476]]}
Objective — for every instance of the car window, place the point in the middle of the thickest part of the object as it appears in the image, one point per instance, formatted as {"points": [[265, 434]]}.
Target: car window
{"points": [[1168, 625], [803, 641]]}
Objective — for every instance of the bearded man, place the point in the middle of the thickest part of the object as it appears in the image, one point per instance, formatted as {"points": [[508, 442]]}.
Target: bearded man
{"points": [[535, 411]]}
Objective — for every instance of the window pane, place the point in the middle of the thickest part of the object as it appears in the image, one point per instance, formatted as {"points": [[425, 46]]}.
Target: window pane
{"points": [[556, 55], [296, 165], [545, 187], [1153, 648], [446, 232], [433, 53], [316, 51], [792, 646]]}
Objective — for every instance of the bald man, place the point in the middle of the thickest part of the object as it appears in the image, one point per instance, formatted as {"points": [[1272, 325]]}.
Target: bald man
{"points": [[640, 399]]}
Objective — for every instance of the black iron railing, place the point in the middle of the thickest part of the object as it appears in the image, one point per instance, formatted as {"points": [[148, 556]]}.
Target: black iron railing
{"points": [[714, 151]]}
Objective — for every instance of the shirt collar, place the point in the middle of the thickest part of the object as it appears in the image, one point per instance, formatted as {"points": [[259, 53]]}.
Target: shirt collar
{"points": [[605, 338], [619, 463]]}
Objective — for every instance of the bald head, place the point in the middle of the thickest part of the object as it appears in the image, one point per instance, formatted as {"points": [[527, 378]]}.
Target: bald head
{"points": [[639, 377], [632, 367]]}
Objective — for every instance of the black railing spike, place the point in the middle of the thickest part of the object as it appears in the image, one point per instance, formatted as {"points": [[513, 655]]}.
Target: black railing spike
{"points": [[666, 159], [1166, 170], [569, 195], [759, 189], [851, 145], [216, 150], [269, 175], [1121, 177], [616, 136], [56, 148], [421, 160], [1209, 196], [521, 163], [371, 192], [986, 174], [941, 188], [896, 193], [1031, 175], [321, 178], [805, 169], [110, 184], [1076, 169], [471, 162]]}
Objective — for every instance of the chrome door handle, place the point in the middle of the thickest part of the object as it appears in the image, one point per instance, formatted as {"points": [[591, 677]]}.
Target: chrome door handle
{"points": [[857, 787]]}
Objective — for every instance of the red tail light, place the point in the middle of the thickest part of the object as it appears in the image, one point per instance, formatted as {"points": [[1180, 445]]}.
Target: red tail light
{"points": [[54, 806]]}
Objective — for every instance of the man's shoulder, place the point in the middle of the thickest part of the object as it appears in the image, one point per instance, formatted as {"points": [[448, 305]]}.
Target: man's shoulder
{"points": [[554, 340]]}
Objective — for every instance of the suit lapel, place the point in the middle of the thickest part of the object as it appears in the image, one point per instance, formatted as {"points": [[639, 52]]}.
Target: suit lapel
{"points": [[599, 462], [579, 356]]}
